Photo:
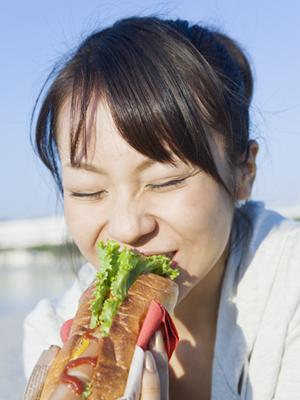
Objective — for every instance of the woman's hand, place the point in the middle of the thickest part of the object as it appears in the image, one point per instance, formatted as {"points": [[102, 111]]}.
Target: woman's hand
{"points": [[155, 383]]}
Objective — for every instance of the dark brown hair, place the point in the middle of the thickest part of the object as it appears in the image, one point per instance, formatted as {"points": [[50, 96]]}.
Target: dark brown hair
{"points": [[171, 87]]}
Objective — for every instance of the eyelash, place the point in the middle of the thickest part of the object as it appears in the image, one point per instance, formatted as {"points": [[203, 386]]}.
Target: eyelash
{"points": [[174, 182], [97, 195]]}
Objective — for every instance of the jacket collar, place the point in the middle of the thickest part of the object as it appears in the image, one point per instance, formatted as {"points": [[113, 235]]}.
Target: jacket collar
{"points": [[230, 347]]}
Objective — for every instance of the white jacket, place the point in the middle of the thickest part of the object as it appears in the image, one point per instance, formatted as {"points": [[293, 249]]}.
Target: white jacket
{"points": [[257, 349]]}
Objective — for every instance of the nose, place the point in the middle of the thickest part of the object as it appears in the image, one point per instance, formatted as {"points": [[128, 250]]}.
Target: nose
{"points": [[129, 222]]}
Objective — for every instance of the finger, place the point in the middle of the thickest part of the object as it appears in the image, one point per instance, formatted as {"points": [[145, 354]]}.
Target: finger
{"points": [[150, 382], [157, 347], [37, 378]]}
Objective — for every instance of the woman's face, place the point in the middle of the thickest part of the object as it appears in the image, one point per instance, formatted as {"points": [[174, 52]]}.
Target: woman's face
{"points": [[157, 208]]}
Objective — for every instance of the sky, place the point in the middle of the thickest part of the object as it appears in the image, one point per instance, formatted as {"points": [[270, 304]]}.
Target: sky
{"points": [[35, 34]]}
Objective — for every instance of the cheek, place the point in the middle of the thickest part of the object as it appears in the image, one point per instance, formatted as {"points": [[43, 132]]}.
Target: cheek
{"points": [[204, 212], [84, 226], [204, 230]]}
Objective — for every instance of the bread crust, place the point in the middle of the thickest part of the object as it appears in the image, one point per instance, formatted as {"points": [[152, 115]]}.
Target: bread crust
{"points": [[115, 351], [83, 314], [57, 366]]}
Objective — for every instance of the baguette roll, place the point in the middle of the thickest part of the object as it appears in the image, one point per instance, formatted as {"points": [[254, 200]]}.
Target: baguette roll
{"points": [[101, 363]]}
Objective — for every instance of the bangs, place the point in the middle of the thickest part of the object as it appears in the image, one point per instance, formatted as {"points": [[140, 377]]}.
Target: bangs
{"points": [[153, 98]]}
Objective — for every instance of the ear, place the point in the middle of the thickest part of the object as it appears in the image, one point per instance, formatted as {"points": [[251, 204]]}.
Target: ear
{"points": [[246, 173]]}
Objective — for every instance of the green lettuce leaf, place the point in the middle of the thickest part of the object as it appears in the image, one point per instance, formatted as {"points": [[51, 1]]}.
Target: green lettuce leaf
{"points": [[108, 260], [109, 310], [87, 391], [156, 264], [128, 261]]}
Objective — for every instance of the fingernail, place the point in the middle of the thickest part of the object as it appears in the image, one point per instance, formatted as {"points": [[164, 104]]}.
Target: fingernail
{"points": [[54, 349], [149, 362], [159, 342]]}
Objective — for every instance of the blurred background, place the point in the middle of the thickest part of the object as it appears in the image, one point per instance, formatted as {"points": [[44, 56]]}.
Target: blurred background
{"points": [[34, 35]]}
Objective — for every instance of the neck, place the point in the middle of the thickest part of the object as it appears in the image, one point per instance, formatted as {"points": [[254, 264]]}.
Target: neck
{"points": [[198, 311]]}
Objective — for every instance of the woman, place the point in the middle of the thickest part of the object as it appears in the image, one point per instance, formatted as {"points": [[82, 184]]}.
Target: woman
{"points": [[146, 131]]}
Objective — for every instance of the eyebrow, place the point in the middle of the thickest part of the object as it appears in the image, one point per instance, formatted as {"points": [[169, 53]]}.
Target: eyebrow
{"points": [[93, 168]]}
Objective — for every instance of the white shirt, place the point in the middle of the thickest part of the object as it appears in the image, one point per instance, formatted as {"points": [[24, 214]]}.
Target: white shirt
{"points": [[257, 349]]}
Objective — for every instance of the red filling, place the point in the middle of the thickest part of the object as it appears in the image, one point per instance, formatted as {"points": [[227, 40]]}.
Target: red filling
{"points": [[76, 384]]}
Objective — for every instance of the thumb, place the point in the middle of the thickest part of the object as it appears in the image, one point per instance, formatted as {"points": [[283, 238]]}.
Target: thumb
{"points": [[150, 382]]}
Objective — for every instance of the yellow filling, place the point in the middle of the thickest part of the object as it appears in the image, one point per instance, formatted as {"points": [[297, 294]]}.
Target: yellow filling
{"points": [[80, 348]]}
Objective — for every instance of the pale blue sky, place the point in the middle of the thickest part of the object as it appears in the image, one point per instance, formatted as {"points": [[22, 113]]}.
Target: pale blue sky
{"points": [[34, 34]]}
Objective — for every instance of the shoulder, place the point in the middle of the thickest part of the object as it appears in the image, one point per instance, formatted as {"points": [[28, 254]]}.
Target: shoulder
{"points": [[267, 223], [273, 239], [42, 325], [270, 262]]}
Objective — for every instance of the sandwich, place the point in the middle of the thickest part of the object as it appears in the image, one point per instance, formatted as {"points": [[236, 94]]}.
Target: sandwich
{"points": [[94, 362]]}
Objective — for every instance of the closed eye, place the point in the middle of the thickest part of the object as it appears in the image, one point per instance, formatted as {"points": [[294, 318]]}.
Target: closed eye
{"points": [[95, 195], [173, 183]]}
